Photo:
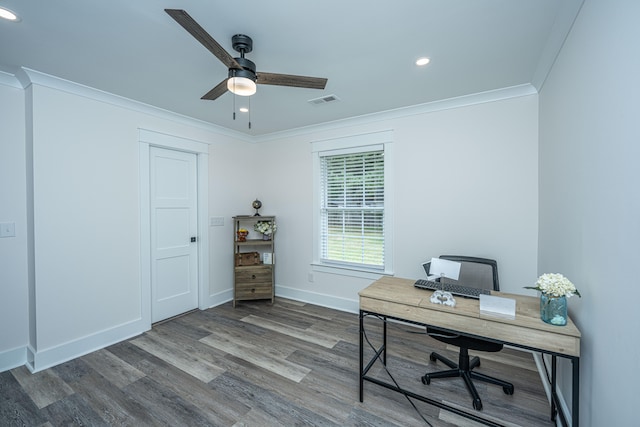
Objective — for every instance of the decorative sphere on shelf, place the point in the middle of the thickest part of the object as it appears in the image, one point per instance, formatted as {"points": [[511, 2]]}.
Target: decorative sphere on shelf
{"points": [[257, 204]]}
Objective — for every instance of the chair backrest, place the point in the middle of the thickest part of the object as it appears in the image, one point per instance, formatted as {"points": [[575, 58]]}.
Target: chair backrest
{"points": [[475, 272]]}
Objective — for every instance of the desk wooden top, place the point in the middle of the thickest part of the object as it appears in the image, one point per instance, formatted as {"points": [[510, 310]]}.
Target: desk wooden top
{"points": [[398, 298]]}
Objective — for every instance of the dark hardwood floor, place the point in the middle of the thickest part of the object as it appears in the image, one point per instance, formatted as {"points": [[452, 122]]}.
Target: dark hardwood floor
{"points": [[287, 364]]}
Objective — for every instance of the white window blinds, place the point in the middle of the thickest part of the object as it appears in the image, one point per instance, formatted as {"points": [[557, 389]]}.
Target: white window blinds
{"points": [[352, 209]]}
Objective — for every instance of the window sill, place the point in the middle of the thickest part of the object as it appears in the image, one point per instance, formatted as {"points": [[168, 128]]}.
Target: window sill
{"points": [[346, 271]]}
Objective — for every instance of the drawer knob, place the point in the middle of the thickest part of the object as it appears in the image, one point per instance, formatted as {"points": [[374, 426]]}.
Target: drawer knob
{"points": [[253, 290], [253, 276]]}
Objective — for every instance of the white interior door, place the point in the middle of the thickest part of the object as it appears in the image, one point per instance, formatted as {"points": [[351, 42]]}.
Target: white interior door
{"points": [[174, 250]]}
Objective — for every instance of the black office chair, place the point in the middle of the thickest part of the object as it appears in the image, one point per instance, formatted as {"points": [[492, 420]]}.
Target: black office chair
{"points": [[478, 273]]}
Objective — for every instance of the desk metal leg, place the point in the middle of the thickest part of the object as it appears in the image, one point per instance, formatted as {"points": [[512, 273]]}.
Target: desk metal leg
{"points": [[575, 392], [554, 410], [361, 355], [384, 340]]}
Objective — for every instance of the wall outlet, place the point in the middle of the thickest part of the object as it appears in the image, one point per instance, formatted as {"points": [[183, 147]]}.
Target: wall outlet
{"points": [[310, 277], [216, 221]]}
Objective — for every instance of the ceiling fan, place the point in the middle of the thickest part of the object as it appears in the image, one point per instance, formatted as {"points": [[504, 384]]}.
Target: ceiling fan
{"points": [[242, 77]]}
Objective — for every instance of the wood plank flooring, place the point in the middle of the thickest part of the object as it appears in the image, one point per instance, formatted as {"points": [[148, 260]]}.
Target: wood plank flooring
{"points": [[286, 364]]}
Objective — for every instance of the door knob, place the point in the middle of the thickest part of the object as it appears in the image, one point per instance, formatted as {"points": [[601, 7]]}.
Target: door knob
{"points": [[194, 239]]}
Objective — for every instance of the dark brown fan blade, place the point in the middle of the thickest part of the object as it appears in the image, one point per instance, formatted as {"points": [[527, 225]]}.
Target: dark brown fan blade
{"points": [[193, 28], [289, 80], [217, 91]]}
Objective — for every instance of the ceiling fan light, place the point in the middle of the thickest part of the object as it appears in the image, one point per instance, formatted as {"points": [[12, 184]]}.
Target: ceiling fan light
{"points": [[241, 86], [8, 15]]}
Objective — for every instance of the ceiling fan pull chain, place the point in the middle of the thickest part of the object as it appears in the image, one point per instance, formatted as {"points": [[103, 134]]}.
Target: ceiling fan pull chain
{"points": [[249, 112], [234, 100]]}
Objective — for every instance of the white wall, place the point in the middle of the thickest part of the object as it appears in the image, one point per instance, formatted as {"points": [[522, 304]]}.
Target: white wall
{"points": [[86, 245], [589, 200], [482, 202], [14, 319], [84, 274]]}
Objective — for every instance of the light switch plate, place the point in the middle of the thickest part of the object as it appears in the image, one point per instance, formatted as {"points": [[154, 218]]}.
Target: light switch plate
{"points": [[216, 221], [7, 229]]}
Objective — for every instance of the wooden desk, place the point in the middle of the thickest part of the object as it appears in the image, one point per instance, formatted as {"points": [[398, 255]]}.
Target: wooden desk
{"points": [[396, 298]]}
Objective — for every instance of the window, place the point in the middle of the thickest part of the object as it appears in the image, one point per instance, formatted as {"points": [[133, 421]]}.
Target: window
{"points": [[351, 213], [352, 209]]}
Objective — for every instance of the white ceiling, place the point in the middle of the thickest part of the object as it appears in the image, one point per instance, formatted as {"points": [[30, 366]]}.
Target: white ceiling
{"points": [[366, 50]]}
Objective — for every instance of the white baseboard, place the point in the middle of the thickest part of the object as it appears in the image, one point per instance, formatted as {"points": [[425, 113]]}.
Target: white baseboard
{"points": [[537, 357], [217, 299], [37, 360], [10, 359], [329, 301]]}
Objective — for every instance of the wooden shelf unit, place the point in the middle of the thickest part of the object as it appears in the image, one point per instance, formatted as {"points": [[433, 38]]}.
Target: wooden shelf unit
{"points": [[253, 281]]}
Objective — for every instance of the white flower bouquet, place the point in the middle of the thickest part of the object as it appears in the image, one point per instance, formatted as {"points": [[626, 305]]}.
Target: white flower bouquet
{"points": [[555, 285], [265, 227]]}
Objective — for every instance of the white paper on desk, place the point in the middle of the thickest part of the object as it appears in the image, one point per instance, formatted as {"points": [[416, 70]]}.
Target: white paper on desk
{"points": [[498, 306]]}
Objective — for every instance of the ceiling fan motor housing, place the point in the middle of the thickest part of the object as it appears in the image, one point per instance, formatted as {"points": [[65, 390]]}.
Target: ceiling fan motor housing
{"points": [[242, 43], [248, 69]]}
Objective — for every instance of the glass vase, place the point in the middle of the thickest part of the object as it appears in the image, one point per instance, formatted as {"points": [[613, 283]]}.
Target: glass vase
{"points": [[553, 310]]}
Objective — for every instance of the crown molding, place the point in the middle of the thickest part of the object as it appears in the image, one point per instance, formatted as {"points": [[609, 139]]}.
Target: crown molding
{"points": [[445, 104], [25, 77], [28, 77], [8, 78], [559, 32]]}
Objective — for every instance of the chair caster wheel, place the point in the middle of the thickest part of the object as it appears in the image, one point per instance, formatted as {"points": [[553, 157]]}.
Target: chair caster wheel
{"points": [[508, 390], [432, 357], [477, 405], [426, 380]]}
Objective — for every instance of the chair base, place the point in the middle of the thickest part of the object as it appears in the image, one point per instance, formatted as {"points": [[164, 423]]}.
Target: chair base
{"points": [[464, 369]]}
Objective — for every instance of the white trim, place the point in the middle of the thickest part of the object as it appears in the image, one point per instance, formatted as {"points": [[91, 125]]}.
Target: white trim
{"points": [[353, 141], [28, 77], [10, 359], [43, 359], [324, 300], [9, 79], [429, 107], [567, 14], [159, 139], [148, 138], [145, 233], [352, 144], [220, 298], [203, 231]]}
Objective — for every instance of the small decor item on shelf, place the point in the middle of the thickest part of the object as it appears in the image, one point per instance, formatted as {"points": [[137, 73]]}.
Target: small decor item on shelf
{"points": [[267, 228], [242, 234], [554, 289], [257, 204], [248, 258]]}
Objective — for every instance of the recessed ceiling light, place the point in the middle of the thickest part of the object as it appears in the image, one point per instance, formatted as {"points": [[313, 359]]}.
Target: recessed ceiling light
{"points": [[8, 15], [244, 110], [422, 61]]}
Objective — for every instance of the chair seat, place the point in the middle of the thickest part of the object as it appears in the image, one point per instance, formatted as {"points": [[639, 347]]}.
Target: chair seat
{"points": [[462, 341]]}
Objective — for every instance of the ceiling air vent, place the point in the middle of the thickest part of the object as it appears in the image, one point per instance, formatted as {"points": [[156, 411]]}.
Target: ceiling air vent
{"points": [[323, 100]]}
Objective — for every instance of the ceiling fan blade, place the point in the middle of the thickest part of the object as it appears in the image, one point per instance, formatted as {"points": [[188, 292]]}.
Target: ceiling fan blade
{"points": [[217, 91], [290, 80], [193, 28]]}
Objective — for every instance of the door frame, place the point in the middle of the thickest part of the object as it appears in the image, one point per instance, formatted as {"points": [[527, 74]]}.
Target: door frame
{"points": [[148, 138]]}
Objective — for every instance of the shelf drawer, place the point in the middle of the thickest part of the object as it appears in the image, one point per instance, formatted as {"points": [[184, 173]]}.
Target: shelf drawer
{"points": [[254, 282], [262, 291], [253, 274]]}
